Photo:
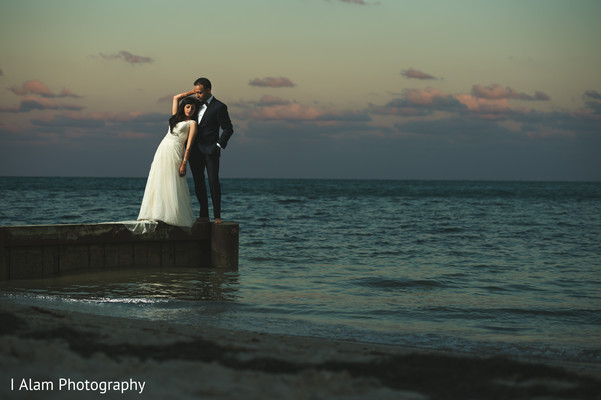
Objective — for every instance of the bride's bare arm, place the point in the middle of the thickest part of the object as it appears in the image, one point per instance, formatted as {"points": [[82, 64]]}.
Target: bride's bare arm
{"points": [[189, 144], [177, 98]]}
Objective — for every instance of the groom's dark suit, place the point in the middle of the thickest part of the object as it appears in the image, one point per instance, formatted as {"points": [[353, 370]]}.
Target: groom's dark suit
{"points": [[205, 154]]}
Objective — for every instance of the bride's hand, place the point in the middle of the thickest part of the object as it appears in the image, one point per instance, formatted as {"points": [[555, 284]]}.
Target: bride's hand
{"points": [[182, 169]]}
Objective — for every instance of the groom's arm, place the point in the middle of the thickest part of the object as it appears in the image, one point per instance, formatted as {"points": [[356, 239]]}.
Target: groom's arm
{"points": [[225, 123]]}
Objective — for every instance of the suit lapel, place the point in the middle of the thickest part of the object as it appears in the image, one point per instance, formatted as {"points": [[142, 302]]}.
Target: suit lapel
{"points": [[207, 110]]}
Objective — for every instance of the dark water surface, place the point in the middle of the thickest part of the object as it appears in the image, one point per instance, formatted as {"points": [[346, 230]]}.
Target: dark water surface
{"points": [[488, 267]]}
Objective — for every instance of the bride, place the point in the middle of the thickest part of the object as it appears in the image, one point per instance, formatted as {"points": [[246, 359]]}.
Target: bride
{"points": [[167, 197]]}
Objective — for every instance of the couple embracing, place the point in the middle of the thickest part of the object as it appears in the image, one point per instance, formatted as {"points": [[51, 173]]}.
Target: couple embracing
{"points": [[193, 138]]}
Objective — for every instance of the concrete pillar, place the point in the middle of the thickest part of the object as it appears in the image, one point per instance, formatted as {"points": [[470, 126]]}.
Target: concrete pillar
{"points": [[224, 245]]}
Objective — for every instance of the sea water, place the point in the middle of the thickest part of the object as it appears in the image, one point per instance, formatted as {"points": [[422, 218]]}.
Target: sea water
{"points": [[499, 268]]}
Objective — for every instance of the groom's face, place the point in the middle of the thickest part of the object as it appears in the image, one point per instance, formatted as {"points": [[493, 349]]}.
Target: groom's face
{"points": [[202, 94]]}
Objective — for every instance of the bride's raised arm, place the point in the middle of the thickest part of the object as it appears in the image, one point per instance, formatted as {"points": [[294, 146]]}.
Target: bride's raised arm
{"points": [[177, 98]]}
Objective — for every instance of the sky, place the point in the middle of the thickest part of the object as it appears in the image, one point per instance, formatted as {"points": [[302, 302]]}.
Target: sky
{"points": [[349, 89]]}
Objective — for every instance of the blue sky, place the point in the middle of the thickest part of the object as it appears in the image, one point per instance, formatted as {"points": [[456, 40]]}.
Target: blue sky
{"points": [[316, 88]]}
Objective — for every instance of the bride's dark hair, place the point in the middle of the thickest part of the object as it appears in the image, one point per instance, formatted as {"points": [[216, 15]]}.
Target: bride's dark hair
{"points": [[180, 115]]}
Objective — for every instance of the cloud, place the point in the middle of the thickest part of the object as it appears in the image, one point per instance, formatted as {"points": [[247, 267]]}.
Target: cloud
{"points": [[87, 120], [38, 88], [424, 96], [67, 93], [416, 74], [70, 121], [592, 94], [127, 57], [455, 128], [415, 134], [420, 102], [272, 100], [454, 146], [433, 110], [166, 99], [1, 72], [82, 129], [495, 92], [31, 103], [488, 108], [272, 108], [428, 105], [32, 87], [400, 107], [484, 102], [592, 103], [72, 142], [272, 82]]}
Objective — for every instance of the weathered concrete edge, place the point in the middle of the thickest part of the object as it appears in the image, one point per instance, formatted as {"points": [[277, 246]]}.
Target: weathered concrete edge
{"points": [[30, 251], [24, 235]]}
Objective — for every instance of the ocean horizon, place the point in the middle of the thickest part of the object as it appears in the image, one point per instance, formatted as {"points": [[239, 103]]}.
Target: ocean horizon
{"points": [[189, 178]]}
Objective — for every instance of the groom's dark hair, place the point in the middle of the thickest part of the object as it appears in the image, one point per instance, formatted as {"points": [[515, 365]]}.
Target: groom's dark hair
{"points": [[204, 82]]}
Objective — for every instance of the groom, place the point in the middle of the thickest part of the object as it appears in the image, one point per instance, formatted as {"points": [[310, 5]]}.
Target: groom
{"points": [[206, 151]]}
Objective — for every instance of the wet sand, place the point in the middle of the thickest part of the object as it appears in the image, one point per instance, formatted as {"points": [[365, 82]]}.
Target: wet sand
{"points": [[42, 345]]}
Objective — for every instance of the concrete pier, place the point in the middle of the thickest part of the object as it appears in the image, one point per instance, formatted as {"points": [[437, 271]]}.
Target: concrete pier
{"points": [[35, 251]]}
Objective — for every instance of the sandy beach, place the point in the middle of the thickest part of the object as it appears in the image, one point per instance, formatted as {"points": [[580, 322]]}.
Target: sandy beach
{"points": [[51, 354]]}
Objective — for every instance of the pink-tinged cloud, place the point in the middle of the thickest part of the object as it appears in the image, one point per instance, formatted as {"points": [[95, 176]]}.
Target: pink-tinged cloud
{"points": [[494, 105], [268, 100], [36, 87], [488, 108], [127, 57], [31, 103], [272, 82], [424, 96], [423, 102], [416, 74], [67, 93], [496, 92], [32, 87]]}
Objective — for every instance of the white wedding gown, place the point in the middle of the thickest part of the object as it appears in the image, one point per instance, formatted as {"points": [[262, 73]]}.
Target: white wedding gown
{"points": [[167, 197]]}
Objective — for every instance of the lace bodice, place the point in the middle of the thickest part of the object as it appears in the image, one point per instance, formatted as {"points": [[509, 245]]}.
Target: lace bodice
{"points": [[180, 131]]}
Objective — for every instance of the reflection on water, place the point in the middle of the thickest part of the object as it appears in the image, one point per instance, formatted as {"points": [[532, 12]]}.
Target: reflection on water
{"points": [[134, 285]]}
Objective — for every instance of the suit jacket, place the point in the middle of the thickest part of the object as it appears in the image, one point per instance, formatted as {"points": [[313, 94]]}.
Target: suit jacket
{"points": [[214, 118]]}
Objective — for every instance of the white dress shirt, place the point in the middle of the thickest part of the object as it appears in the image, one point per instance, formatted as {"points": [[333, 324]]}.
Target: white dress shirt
{"points": [[203, 108]]}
